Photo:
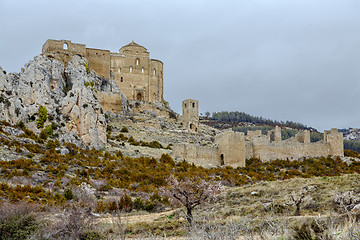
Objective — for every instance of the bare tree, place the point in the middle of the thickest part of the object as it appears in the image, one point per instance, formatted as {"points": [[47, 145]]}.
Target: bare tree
{"points": [[191, 192], [299, 197]]}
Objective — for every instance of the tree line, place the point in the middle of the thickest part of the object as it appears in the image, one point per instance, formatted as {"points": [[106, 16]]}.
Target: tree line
{"points": [[244, 117]]}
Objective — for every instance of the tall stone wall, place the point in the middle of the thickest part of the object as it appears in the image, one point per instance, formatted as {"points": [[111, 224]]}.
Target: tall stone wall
{"points": [[99, 61], [231, 148], [199, 155], [335, 139]]}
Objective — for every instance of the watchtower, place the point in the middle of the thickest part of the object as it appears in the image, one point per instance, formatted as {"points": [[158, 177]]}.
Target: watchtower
{"points": [[190, 114]]}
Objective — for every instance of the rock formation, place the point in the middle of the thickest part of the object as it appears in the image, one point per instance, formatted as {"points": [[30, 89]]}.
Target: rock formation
{"points": [[69, 95]]}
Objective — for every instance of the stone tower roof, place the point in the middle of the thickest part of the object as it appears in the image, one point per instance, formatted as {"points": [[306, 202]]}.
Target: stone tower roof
{"points": [[134, 44]]}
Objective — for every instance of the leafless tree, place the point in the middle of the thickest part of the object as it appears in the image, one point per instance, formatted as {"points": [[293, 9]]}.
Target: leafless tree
{"points": [[299, 198], [191, 192]]}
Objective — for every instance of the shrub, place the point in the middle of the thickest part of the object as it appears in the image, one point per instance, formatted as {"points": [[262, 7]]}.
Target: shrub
{"points": [[126, 204], [42, 116], [21, 125], [87, 69], [68, 194], [124, 129], [17, 222], [91, 235]]}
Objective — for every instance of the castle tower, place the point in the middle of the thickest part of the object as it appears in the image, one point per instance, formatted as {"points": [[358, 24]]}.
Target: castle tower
{"points": [[190, 114], [136, 74], [336, 141], [275, 134], [231, 148]]}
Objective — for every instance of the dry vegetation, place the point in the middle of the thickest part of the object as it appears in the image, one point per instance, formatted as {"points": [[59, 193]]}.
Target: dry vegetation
{"points": [[77, 192]]}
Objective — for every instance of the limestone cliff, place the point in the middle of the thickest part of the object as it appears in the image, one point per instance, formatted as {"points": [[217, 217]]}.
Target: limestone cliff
{"points": [[69, 95]]}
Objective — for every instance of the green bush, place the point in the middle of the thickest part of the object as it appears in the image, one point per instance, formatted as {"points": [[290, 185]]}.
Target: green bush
{"points": [[42, 117], [18, 227], [91, 235], [68, 194], [87, 68], [48, 131], [124, 129]]}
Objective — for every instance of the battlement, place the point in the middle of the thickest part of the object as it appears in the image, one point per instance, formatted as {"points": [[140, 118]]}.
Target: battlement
{"points": [[233, 148]]}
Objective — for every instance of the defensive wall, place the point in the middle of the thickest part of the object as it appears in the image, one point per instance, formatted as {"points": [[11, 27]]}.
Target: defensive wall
{"points": [[137, 75], [233, 148]]}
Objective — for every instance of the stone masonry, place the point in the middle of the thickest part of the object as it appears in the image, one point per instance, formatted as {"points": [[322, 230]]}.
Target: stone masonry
{"points": [[233, 148], [137, 76]]}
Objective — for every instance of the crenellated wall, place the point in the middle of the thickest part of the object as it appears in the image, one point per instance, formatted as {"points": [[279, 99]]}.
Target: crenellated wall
{"points": [[233, 148]]}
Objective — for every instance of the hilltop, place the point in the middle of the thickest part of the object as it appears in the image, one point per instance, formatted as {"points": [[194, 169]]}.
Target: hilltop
{"points": [[60, 150]]}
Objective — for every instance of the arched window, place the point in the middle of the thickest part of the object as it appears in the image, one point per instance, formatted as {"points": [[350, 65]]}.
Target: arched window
{"points": [[142, 70], [154, 73], [193, 105], [65, 46], [139, 96], [137, 62], [130, 69], [119, 70]]}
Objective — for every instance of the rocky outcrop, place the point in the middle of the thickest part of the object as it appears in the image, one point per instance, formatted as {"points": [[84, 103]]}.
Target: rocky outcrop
{"points": [[69, 97]]}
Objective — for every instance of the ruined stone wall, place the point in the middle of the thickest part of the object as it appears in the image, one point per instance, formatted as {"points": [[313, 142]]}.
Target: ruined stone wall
{"points": [[199, 155], [63, 50], [335, 139], [99, 61], [110, 102], [231, 148], [290, 149]]}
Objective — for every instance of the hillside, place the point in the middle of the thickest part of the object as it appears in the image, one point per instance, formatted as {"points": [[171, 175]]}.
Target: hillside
{"points": [[93, 174]]}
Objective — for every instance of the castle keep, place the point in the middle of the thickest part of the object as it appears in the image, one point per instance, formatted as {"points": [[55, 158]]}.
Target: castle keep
{"points": [[137, 75], [233, 148]]}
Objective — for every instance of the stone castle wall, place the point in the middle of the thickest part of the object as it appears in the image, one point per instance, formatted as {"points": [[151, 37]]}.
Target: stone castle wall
{"points": [[233, 148]]}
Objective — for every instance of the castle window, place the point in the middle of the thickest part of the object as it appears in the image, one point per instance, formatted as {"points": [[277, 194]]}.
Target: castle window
{"points": [[222, 159], [137, 62], [121, 79], [65, 46], [119, 70], [154, 73], [185, 105], [130, 69], [142, 70], [139, 96], [193, 105]]}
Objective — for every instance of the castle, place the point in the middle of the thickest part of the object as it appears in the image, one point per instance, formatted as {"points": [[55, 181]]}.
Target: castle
{"points": [[137, 75], [233, 148], [141, 78]]}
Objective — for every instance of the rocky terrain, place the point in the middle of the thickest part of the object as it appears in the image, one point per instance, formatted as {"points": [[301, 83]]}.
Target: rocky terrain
{"points": [[99, 175]]}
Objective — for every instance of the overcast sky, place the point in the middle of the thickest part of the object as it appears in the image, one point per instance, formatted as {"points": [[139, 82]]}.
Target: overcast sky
{"points": [[295, 60]]}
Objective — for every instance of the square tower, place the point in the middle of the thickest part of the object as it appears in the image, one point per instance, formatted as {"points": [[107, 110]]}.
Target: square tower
{"points": [[190, 108]]}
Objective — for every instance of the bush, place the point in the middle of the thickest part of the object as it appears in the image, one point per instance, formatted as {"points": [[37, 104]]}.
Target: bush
{"points": [[68, 194], [91, 235], [124, 129], [17, 222], [42, 116]]}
